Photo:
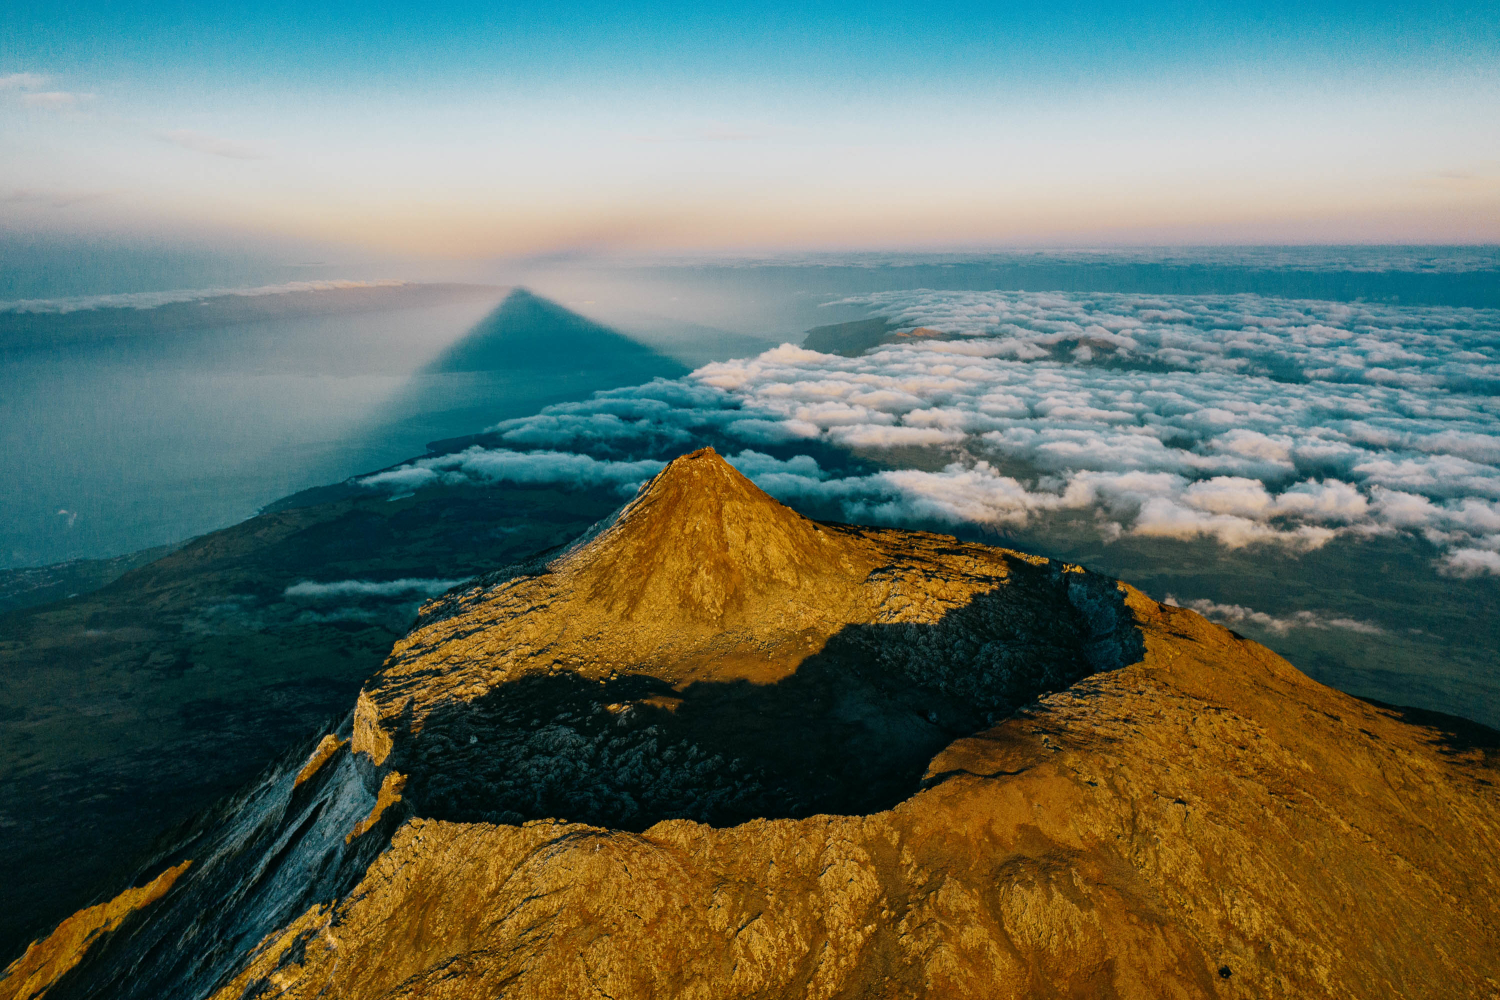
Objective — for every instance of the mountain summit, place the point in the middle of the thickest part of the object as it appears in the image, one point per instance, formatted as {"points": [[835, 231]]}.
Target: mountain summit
{"points": [[702, 542], [719, 750], [703, 579]]}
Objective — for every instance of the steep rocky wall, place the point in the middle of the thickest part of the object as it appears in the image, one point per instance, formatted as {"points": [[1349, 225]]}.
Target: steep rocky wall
{"points": [[35, 973]]}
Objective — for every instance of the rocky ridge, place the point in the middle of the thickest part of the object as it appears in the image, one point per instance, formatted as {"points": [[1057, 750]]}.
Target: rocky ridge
{"points": [[715, 749], [1205, 823]]}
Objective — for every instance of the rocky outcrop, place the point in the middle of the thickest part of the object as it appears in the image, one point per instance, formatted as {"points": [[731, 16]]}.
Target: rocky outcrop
{"points": [[322, 754], [388, 796], [718, 750], [35, 973]]}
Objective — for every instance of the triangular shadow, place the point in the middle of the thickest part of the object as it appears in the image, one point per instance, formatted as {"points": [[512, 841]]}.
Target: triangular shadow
{"points": [[526, 354], [528, 332]]}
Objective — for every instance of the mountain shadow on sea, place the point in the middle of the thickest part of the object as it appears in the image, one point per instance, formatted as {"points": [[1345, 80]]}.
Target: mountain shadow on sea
{"points": [[529, 353], [528, 332]]}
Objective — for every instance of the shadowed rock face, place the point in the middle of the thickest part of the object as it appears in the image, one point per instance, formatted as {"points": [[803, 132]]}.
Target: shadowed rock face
{"points": [[840, 776], [850, 731]]}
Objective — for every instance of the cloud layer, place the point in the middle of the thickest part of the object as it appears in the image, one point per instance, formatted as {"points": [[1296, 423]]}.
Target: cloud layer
{"points": [[27, 86], [308, 590], [1243, 419], [502, 465], [22, 81], [1235, 614]]}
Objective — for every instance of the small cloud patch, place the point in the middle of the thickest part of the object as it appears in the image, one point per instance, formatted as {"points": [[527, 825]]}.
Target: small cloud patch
{"points": [[1236, 614], [213, 145], [405, 587]]}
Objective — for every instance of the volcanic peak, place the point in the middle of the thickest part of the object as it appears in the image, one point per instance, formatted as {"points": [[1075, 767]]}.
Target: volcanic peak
{"points": [[711, 654], [701, 541], [703, 577]]}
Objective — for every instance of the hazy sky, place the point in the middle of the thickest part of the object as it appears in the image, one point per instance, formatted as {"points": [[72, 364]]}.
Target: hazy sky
{"points": [[461, 130]]}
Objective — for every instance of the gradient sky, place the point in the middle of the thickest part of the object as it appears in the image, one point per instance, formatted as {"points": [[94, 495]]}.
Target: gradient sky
{"points": [[472, 130]]}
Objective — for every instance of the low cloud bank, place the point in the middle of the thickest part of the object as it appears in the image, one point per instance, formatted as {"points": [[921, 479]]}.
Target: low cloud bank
{"points": [[501, 465], [1282, 339], [1268, 259], [1471, 562], [1245, 420], [406, 587], [1235, 614]]}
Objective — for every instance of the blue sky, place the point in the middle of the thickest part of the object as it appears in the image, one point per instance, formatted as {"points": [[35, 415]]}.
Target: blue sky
{"points": [[466, 130], [370, 44]]}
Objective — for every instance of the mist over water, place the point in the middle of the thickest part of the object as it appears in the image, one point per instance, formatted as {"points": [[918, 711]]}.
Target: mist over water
{"points": [[141, 440], [147, 433]]}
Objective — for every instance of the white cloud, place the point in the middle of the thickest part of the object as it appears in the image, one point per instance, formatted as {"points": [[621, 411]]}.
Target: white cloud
{"points": [[199, 142], [1328, 501], [22, 81], [1235, 614], [500, 465], [1244, 334], [1163, 517], [1465, 563], [1245, 420], [415, 586], [873, 435], [753, 463], [54, 100]]}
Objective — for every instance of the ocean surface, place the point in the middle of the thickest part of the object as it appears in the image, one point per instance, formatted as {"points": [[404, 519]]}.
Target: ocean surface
{"points": [[126, 424]]}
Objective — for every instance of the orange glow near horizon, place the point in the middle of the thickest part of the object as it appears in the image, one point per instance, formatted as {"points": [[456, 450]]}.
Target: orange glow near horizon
{"points": [[480, 181]]}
